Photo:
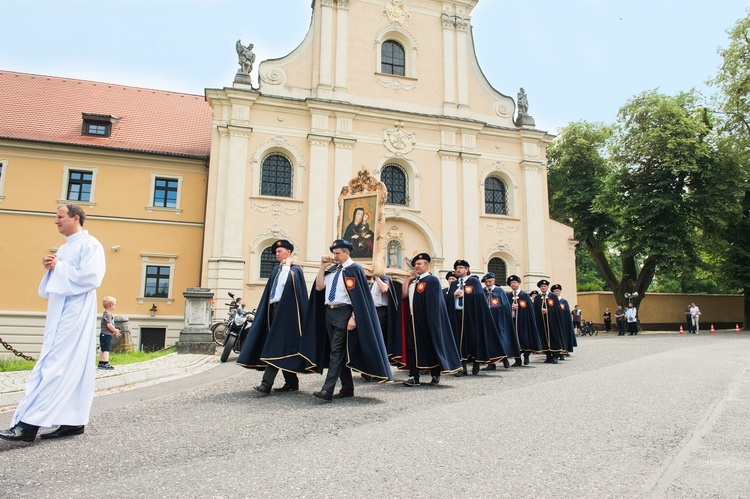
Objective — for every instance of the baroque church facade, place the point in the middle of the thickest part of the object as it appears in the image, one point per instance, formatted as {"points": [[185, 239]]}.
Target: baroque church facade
{"points": [[393, 87]]}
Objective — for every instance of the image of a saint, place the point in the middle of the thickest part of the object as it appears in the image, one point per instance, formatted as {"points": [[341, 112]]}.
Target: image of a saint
{"points": [[358, 233]]}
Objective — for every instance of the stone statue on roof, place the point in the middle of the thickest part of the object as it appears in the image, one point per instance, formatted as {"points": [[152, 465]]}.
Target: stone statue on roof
{"points": [[523, 103], [245, 57]]}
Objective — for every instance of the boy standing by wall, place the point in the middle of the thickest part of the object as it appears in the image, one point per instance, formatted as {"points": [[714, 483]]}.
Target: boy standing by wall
{"points": [[108, 331]]}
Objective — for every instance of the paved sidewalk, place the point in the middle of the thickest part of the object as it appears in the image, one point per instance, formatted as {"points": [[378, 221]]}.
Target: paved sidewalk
{"points": [[165, 368]]}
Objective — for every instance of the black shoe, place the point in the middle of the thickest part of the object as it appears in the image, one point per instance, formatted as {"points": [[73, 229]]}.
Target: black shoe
{"points": [[265, 390], [323, 395], [412, 381], [526, 359], [491, 367], [64, 431], [506, 363], [365, 377], [344, 394], [553, 360], [20, 433], [561, 357], [475, 369], [435, 380], [459, 374], [517, 362], [286, 388]]}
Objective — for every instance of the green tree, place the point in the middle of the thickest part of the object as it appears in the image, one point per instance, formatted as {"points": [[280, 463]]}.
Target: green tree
{"points": [[733, 83], [631, 191]]}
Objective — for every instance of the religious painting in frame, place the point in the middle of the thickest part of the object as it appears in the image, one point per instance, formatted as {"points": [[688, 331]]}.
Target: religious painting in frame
{"points": [[361, 217]]}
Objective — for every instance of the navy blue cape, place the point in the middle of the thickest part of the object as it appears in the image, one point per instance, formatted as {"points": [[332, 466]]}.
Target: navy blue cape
{"points": [[434, 344], [570, 337], [278, 345], [524, 323], [480, 339], [550, 325], [503, 316], [365, 348]]}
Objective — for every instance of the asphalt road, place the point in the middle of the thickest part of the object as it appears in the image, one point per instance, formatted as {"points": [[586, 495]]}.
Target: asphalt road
{"points": [[646, 416]]}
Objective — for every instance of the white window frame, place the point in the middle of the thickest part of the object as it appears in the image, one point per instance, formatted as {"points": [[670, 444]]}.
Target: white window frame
{"points": [[409, 44], [157, 260], [66, 179], [3, 174], [150, 206]]}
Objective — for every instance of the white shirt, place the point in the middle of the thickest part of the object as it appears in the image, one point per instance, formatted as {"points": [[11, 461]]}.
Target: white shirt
{"points": [[341, 296], [630, 314], [460, 306], [281, 278], [380, 298], [412, 286], [695, 311]]}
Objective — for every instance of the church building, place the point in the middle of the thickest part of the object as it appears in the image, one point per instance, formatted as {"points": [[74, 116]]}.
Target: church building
{"points": [[392, 87]]}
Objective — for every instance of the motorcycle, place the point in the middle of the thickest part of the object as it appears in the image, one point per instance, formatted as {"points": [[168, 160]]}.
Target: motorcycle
{"points": [[238, 325]]}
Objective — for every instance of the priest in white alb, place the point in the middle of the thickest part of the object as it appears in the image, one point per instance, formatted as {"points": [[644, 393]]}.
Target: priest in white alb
{"points": [[60, 389]]}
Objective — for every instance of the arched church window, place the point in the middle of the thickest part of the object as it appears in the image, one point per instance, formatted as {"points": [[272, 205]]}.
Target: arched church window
{"points": [[495, 196], [498, 267], [267, 262], [392, 58], [276, 176], [395, 180]]}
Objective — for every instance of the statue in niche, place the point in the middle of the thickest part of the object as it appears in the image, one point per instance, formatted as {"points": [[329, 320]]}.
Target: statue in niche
{"points": [[394, 254], [245, 57], [523, 103]]}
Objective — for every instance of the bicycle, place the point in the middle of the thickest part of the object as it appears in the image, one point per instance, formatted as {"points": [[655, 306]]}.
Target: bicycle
{"points": [[589, 329]]}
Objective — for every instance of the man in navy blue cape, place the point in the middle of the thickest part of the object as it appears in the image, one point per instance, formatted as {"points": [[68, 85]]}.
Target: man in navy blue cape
{"points": [[387, 296], [524, 321], [273, 341], [476, 334], [501, 313], [549, 323], [430, 345], [345, 333], [570, 335]]}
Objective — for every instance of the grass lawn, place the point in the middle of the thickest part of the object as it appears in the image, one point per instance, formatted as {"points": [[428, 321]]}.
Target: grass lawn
{"points": [[18, 364]]}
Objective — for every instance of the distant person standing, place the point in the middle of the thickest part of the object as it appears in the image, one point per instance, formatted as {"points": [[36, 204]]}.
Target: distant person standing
{"points": [[108, 332], [60, 388], [620, 318], [695, 314], [607, 319], [631, 316], [577, 318], [688, 319]]}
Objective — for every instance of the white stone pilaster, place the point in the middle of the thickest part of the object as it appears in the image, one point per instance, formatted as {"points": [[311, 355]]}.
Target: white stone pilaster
{"points": [[470, 179], [449, 178], [462, 73], [536, 215], [342, 43], [319, 209], [326, 42], [449, 64]]}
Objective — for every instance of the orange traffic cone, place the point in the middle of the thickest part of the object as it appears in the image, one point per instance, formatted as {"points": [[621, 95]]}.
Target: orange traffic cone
{"points": [[682, 331], [713, 331], [736, 329]]}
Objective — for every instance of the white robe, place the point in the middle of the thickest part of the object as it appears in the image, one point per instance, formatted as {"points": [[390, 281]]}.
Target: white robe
{"points": [[60, 389]]}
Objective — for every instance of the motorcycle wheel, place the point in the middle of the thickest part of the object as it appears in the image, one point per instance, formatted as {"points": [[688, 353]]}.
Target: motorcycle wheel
{"points": [[228, 345], [219, 330]]}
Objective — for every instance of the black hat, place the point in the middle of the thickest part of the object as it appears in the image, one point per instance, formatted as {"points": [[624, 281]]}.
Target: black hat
{"points": [[341, 244], [543, 282], [449, 275], [283, 243], [513, 278], [488, 275], [556, 286], [533, 293], [462, 263], [421, 256]]}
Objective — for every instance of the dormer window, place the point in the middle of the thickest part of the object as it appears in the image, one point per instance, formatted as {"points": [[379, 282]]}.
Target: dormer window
{"points": [[98, 125]]}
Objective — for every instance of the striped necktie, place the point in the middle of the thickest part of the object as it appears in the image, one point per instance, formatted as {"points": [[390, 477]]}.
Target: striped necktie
{"points": [[332, 292]]}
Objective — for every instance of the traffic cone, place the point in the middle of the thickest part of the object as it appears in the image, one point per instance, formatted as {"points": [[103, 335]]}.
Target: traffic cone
{"points": [[736, 329], [713, 331], [682, 331]]}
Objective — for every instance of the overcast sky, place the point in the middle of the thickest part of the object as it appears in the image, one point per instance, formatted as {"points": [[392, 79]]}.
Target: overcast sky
{"points": [[577, 59]]}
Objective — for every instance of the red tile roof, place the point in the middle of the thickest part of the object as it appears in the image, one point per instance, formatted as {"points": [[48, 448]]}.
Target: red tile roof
{"points": [[49, 109]]}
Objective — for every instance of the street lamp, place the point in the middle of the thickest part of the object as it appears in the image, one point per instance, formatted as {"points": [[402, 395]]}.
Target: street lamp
{"points": [[152, 309]]}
